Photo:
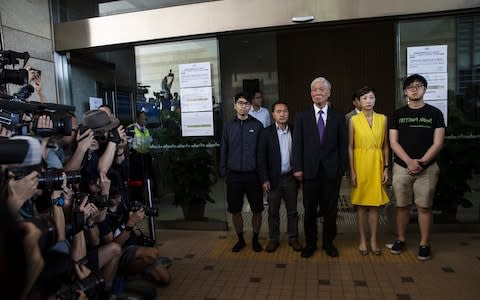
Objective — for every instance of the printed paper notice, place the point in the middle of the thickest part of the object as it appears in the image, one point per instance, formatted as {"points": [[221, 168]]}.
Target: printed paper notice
{"points": [[427, 59], [437, 86], [197, 123], [442, 105], [196, 99], [195, 75]]}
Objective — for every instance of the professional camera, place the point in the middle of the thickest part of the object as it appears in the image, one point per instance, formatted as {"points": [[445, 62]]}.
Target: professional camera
{"points": [[149, 211], [19, 77], [91, 285], [52, 179], [100, 201], [144, 240], [97, 134], [17, 117], [130, 131]]}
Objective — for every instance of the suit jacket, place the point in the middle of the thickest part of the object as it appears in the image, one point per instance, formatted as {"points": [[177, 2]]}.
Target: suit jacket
{"points": [[269, 157], [309, 155], [349, 115]]}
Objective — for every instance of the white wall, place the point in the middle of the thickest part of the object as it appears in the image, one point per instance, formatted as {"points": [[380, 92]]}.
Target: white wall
{"points": [[226, 15]]}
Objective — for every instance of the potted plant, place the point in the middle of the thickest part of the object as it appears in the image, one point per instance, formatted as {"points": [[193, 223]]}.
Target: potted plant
{"points": [[458, 161], [191, 174]]}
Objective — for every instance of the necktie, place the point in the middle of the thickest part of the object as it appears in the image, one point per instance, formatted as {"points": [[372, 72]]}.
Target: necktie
{"points": [[320, 125]]}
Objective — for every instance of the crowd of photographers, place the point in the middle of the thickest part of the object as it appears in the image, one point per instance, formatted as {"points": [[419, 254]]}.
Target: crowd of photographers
{"points": [[70, 230]]}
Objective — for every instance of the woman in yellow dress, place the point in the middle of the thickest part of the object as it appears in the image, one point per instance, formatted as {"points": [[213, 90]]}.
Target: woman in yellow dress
{"points": [[368, 154]]}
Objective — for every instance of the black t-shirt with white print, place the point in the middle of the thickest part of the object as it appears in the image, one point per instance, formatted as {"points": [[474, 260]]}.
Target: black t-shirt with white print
{"points": [[416, 129]]}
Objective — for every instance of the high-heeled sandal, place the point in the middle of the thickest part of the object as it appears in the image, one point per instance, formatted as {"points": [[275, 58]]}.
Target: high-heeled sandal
{"points": [[377, 252], [363, 252]]}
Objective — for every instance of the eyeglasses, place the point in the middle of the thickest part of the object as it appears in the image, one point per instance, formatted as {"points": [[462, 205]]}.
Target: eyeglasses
{"points": [[241, 103], [415, 87]]}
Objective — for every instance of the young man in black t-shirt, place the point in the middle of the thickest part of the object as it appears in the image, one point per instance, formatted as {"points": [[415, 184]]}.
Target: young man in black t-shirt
{"points": [[416, 134]]}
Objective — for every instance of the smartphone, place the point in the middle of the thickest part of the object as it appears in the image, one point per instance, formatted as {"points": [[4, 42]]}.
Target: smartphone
{"points": [[39, 72]]}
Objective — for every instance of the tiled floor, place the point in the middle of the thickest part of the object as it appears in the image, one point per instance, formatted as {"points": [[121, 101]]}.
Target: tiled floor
{"points": [[205, 268]]}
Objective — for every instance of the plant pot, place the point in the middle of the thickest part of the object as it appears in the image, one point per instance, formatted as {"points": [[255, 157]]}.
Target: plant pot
{"points": [[193, 212]]}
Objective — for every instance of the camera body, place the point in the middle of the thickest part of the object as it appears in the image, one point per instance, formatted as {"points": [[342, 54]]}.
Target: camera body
{"points": [[19, 117], [100, 201], [144, 240], [99, 135], [9, 57], [91, 285], [149, 211]]}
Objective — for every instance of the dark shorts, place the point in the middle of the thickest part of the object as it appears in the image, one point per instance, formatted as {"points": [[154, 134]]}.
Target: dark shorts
{"points": [[239, 184], [92, 257], [128, 255]]}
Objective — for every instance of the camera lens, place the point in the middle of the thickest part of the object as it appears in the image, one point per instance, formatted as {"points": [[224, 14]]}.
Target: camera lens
{"points": [[53, 179], [151, 211]]}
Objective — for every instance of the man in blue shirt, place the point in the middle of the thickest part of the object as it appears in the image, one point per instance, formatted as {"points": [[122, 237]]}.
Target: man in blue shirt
{"points": [[238, 153]]}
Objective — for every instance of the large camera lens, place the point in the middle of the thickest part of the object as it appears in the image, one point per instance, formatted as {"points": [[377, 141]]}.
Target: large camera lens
{"points": [[19, 77], [53, 179], [151, 211]]}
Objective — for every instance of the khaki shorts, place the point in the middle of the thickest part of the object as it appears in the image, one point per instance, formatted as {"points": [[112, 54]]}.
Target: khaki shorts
{"points": [[418, 188]]}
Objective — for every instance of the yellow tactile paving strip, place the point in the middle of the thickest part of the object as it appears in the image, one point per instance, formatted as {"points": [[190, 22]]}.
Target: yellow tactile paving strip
{"points": [[284, 254]]}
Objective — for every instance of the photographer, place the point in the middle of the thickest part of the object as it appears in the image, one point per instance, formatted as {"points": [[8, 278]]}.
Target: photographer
{"points": [[102, 256], [109, 139], [119, 227]]}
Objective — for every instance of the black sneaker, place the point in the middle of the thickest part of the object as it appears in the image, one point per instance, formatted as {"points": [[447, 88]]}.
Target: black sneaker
{"points": [[424, 253], [256, 246], [238, 246], [398, 247]]}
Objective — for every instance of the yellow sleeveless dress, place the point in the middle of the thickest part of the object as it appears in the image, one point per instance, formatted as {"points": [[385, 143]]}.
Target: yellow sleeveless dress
{"points": [[368, 160]]}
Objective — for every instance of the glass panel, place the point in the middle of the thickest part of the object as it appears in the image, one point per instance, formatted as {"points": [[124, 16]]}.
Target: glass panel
{"points": [[186, 167], [71, 10], [249, 60], [107, 74], [457, 196]]}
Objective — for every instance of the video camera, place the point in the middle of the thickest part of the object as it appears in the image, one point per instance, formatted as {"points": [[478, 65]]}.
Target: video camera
{"points": [[8, 57], [17, 117], [15, 114], [149, 211]]}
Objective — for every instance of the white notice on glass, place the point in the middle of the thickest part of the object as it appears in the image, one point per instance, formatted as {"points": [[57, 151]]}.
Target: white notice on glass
{"points": [[94, 102], [427, 59], [196, 99], [442, 105], [195, 75], [437, 86], [197, 123]]}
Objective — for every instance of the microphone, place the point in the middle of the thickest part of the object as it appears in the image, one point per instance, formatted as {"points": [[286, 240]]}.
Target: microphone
{"points": [[21, 150]]}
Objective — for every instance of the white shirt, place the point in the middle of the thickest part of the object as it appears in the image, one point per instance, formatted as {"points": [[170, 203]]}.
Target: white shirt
{"points": [[285, 142], [263, 115], [324, 115]]}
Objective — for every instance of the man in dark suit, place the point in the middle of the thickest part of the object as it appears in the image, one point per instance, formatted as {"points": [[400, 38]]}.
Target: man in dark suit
{"points": [[319, 161], [274, 163]]}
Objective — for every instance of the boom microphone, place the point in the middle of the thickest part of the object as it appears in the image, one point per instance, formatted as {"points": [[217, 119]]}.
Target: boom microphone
{"points": [[21, 150]]}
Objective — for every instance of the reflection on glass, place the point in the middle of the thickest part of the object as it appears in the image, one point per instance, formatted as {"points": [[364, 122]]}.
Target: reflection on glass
{"points": [[186, 167], [457, 195]]}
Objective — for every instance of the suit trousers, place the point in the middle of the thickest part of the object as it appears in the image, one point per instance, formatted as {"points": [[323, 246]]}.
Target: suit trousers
{"points": [[287, 190], [320, 194]]}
